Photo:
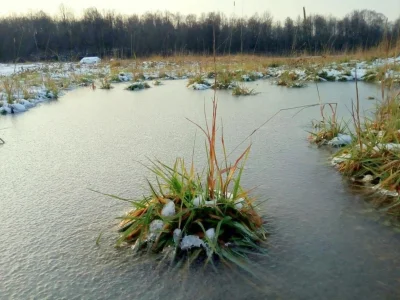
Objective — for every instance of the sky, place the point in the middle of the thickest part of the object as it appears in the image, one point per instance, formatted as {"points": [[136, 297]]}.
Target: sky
{"points": [[279, 9]]}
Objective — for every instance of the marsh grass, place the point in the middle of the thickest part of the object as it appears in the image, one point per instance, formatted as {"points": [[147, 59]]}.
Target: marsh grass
{"points": [[329, 127], [52, 88], [198, 79], [241, 90], [105, 84], [290, 79], [197, 214], [27, 94], [327, 130], [225, 80], [139, 85], [205, 214], [83, 79], [376, 149], [8, 85], [115, 77]]}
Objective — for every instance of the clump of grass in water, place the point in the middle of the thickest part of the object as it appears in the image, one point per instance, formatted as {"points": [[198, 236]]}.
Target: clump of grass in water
{"points": [[375, 153], [8, 85], [115, 77], [241, 90], [52, 89], [83, 80], [326, 131], [27, 94], [289, 79], [327, 128], [197, 215], [139, 85], [374, 75], [105, 84], [198, 79], [225, 80], [249, 77]]}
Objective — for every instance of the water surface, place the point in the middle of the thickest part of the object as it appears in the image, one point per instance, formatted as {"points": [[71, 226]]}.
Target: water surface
{"points": [[325, 242]]}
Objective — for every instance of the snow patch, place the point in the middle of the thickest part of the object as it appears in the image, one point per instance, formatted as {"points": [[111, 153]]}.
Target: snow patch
{"points": [[339, 159], [388, 146], [385, 192], [210, 234], [191, 241], [367, 178], [340, 140], [90, 60], [155, 229], [168, 209], [239, 203], [360, 73], [18, 107]]}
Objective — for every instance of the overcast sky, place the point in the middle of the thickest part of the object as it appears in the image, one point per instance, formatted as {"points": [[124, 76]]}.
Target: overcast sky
{"points": [[280, 9]]}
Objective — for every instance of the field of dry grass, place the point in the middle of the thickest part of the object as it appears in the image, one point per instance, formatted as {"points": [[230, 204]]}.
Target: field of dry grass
{"points": [[255, 62]]}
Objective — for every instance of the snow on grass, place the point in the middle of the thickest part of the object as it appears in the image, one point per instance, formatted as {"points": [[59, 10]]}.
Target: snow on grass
{"points": [[340, 140], [168, 209]]}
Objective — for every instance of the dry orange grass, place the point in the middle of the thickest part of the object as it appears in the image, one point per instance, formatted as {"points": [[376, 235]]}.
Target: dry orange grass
{"points": [[254, 62]]}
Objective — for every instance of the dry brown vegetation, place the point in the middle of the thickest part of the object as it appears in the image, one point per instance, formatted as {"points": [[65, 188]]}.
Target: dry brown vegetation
{"points": [[205, 63]]}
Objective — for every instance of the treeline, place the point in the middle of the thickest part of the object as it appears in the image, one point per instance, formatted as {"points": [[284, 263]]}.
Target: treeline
{"points": [[38, 36]]}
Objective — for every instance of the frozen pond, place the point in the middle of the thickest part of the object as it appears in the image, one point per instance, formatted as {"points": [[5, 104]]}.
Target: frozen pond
{"points": [[325, 242]]}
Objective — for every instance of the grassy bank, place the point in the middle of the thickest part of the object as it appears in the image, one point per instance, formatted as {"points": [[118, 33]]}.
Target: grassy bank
{"points": [[374, 155], [370, 154]]}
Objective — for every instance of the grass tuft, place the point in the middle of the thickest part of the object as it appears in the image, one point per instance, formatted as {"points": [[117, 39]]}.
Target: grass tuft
{"points": [[208, 214], [241, 90], [139, 85], [105, 84]]}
